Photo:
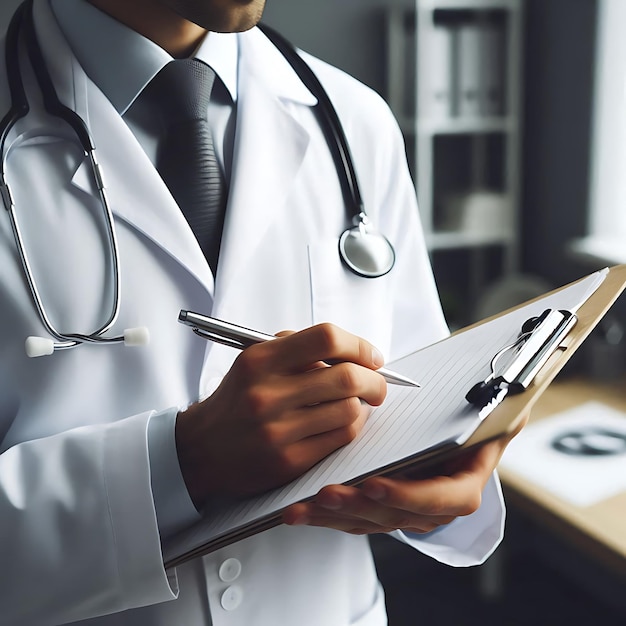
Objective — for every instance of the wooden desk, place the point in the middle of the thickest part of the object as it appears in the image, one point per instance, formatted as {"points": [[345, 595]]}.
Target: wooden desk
{"points": [[598, 530]]}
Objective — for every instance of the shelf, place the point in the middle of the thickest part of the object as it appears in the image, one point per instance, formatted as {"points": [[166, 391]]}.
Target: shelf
{"points": [[466, 125], [600, 250], [430, 5], [453, 82], [454, 240], [457, 126]]}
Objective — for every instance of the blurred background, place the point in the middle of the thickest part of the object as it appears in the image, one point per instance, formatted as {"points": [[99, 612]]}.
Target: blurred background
{"points": [[513, 116]]}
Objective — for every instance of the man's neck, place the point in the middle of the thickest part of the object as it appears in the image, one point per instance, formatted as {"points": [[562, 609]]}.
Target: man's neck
{"points": [[167, 29]]}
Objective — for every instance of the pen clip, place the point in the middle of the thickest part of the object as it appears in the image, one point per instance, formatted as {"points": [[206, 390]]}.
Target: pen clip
{"points": [[227, 341]]}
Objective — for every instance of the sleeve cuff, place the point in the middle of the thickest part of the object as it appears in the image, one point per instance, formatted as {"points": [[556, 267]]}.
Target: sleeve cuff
{"points": [[468, 540], [174, 508]]}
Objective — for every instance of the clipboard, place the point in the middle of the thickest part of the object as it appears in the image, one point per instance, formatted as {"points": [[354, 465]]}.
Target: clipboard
{"points": [[501, 422], [418, 430]]}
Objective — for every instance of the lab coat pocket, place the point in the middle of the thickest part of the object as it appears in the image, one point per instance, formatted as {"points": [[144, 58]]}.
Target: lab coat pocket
{"points": [[362, 306]]}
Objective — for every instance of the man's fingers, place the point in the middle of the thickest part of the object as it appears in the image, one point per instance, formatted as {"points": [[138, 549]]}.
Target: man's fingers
{"points": [[324, 342], [452, 496], [360, 515], [383, 504], [315, 386], [343, 380], [322, 418], [302, 455], [399, 503]]}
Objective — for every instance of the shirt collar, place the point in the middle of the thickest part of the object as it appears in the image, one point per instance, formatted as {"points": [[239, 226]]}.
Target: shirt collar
{"points": [[122, 70]]}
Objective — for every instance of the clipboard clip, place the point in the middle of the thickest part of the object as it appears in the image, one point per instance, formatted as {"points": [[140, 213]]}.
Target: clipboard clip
{"points": [[539, 338]]}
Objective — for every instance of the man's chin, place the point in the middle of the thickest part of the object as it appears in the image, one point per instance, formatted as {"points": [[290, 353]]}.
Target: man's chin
{"points": [[222, 16]]}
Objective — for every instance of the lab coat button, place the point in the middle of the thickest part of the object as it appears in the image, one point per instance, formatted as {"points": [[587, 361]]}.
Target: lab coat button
{"points": [[231, 598], [230, 570]]}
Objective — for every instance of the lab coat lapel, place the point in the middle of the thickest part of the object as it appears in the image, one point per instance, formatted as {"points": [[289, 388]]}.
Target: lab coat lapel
{"points": [[136, 192], [270, 145]]}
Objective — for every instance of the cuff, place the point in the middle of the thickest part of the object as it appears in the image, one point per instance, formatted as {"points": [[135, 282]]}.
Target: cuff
{"points": [[174, 508], [139, 559], [468, 540]]}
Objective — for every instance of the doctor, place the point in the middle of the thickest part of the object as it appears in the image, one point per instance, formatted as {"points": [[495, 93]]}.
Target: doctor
{"points": [[106, 449]]}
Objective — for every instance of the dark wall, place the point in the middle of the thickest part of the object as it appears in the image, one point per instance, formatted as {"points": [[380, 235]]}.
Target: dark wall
{"points": [[558, 87], [347, 33]]}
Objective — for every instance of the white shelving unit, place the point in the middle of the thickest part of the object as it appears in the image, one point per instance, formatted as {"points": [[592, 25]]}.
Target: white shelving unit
{"points": [[454, 82]]}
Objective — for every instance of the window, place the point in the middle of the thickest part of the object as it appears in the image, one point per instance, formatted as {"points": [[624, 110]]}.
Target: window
{"points": [[606, 240]]}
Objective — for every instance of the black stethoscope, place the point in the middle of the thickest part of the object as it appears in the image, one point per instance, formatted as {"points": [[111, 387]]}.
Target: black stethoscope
{"points": [[363, 249]]}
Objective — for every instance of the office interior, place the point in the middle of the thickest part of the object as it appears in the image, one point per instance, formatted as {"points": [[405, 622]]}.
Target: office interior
{"points": [[540, 575]]}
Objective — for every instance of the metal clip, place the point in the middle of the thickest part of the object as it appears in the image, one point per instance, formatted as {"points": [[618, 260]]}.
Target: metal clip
{"points": [[539, 339]]}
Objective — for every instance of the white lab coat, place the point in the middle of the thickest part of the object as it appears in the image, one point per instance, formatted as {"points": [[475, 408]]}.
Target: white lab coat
{"points": [[78, 530]]}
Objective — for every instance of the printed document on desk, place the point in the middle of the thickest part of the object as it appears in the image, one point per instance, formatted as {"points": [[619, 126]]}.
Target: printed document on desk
{"points": [[412, 424]]}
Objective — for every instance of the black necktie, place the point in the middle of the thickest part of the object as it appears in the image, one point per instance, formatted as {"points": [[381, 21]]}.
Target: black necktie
{"points": [[186, 160]]}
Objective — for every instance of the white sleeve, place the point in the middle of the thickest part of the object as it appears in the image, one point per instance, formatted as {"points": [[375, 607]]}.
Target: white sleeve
{"points": [[78, 506], [468, 540]]}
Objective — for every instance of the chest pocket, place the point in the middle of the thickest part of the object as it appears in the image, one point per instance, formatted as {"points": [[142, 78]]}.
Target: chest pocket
{"points": [[362, 306]]}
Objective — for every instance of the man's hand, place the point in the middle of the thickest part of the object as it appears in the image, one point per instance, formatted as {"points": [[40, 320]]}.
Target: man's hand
{"points": [[278, 411], [381, 505]]}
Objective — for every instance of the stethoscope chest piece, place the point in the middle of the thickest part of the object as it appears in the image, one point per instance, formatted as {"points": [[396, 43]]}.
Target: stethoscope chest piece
{"points": [[365, 250]]}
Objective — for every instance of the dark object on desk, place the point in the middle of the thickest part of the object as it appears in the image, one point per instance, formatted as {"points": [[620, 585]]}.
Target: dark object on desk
{"points": [[591, 441]]}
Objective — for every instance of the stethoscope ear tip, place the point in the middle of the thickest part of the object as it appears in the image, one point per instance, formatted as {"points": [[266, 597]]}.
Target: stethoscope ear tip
{"points": [[139, 336], [38, 346], [41, 346]]}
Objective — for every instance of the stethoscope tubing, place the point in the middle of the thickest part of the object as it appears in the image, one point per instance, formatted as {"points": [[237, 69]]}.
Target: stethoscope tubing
{"points": [[22, 21], [328, 120], [376, 257]]}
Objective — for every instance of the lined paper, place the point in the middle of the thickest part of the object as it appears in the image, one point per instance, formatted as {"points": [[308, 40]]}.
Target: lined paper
{"points": [[410, 422]]}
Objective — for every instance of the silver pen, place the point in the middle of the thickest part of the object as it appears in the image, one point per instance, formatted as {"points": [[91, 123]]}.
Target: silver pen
{"points": [[240, 337]]}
